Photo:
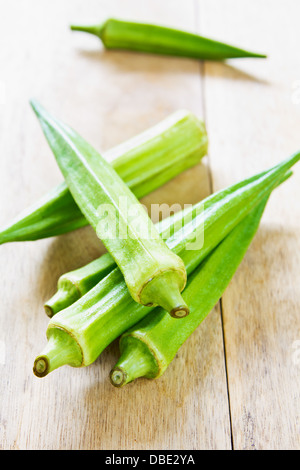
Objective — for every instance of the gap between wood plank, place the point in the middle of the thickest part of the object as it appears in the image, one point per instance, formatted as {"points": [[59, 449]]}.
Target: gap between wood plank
{"points": [[210, 180]]}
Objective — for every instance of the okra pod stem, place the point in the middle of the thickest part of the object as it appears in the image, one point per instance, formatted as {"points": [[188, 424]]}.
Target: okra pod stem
{"points": [[108, 310], [148, 348], [73, 285], [60, 348], [156, 39], [153, 273], [144, 162]]}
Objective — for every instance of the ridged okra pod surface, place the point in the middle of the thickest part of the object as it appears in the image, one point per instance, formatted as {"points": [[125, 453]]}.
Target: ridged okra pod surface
{"points": [[108, 310], [149, 347], [156, 39], [217, 215], [144, 162], [152, 272]]}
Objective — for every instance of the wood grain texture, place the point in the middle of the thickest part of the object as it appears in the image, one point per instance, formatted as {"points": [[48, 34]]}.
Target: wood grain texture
{"points": [[253, 120], [240, 390], [107, 97]]}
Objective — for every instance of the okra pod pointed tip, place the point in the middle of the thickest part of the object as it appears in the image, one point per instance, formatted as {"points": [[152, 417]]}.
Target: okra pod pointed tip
{"points": [[38, 109], [33, 103], [256, 55], [36, 106]]}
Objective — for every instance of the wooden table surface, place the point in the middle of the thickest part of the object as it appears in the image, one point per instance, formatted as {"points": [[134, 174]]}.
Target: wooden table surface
{"points": [[236, 382]]}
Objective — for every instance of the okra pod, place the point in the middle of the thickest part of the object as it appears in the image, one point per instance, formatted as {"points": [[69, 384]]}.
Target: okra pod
{"points": [[145, 162], [156, 39], [153, 273], [78, 334], [71, 286], [148, 348]]}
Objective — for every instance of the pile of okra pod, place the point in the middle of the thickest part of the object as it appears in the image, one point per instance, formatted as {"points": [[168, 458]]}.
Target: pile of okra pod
{"points": [[156, 283]]}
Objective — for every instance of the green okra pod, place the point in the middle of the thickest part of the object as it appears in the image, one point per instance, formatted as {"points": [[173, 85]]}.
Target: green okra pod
{"points": [[78, 334], [144, 162], [156, 39], [71, 286], [153, 273], [148, 348]]}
